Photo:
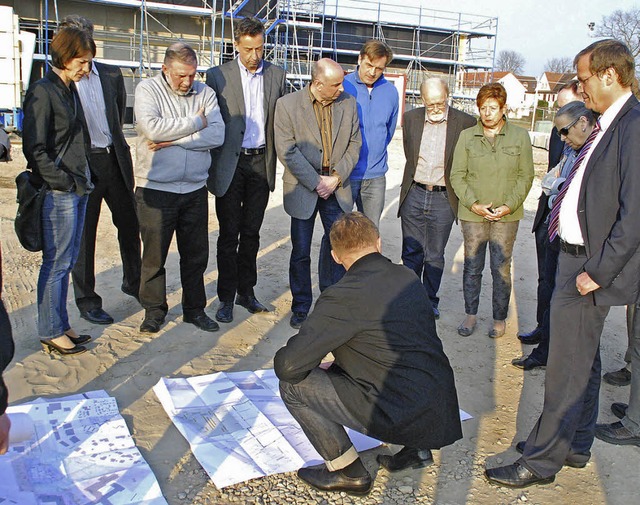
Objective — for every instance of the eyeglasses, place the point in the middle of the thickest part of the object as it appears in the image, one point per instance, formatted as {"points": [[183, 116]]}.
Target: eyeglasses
{"points": [[565, 131], [584, 81], [436, 106]]}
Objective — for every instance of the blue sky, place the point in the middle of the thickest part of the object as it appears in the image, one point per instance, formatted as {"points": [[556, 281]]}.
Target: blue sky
{"points": [[539, 30]]}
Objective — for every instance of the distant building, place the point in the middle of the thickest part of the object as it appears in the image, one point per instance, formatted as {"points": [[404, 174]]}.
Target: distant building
{"points": [[521, 89], [550, 83]]}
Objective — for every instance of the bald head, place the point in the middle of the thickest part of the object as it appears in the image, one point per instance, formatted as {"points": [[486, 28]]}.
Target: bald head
{"points": [[434, 93], [567, 95], [326, 80]]}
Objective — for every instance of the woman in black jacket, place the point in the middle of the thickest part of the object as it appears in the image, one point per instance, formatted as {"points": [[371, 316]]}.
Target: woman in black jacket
{"points": [[55, 144]]}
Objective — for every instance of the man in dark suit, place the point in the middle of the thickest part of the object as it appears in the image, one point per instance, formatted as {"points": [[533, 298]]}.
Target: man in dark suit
{"points": [[598, 266], [428, 205], [390, 377], [547, 253], [317, 135], [104, 100], [243, 169]]}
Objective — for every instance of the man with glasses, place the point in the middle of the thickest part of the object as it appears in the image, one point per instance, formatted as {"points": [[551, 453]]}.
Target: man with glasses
{"points": [[428, 205], [378, 114], [598, 267]]}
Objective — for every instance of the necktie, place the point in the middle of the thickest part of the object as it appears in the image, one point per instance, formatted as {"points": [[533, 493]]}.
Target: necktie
{"points": [[554, 219]]}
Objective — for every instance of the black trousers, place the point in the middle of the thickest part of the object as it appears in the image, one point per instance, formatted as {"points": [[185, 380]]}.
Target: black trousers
{"points": [[162, 214], [572, 384], [110, 187], [240, 214]]}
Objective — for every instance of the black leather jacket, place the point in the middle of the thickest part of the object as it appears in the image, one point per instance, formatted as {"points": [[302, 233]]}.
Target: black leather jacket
{"points": [[52, 113]]}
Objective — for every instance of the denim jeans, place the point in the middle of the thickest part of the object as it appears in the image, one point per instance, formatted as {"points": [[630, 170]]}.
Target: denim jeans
{"points": [[427, 218], [62, 224], [315, 404], [329, 272], [500, 237], [368, 195]]}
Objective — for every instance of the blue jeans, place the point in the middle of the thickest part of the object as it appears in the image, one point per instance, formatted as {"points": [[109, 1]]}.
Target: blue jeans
{"points": [[329, 272], [426, 218], [368, 195], [62, 224], [500, 236]]}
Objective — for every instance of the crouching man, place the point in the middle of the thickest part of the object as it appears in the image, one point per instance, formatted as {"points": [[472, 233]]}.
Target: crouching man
{"points": [[390, 378]]}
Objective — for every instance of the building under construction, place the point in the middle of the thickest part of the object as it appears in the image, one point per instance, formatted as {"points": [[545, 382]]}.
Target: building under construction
{"points": [[134, 34]]}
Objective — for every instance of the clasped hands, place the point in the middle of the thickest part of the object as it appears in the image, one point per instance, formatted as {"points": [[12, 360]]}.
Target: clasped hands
{"points": [[327, 185], [488, 212]]}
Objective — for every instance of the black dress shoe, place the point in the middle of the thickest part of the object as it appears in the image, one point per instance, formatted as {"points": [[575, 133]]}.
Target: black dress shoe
{"points": [[527, 363], [251, 304], [616, 433], [574, 460], [408, 457], [619, 409], [515, 475], [49, 346], [151, 325], [202, 321], [532, 337], [224, 314], [297, 318], [620, 377], [96, 316], [324, 480]]}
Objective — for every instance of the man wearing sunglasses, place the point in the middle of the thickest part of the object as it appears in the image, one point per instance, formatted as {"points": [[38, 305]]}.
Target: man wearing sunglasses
{"points": [[557, 151]]}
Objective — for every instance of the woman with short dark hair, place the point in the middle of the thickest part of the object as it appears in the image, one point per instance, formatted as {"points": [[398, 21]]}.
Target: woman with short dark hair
{"points": [[491, 174], [56, 146]]}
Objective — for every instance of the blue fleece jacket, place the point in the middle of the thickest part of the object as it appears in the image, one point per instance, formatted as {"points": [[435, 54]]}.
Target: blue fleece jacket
{"points": [[378, 115]]}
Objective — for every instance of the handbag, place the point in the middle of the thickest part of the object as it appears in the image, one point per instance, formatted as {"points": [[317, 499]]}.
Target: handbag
{"points": [[28, 223]]}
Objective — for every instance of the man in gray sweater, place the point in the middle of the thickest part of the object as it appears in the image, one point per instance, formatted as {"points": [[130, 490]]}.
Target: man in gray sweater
{"points": [[178, 122]]}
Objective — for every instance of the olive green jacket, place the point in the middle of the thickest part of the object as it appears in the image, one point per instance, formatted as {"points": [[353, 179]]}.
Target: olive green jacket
{"points": [[501, 174]]}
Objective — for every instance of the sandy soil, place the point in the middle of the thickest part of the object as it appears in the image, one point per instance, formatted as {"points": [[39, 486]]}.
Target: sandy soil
{"points": [[504, 401]]}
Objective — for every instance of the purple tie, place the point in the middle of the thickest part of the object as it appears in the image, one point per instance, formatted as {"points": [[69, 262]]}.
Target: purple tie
{"points": [[554, 219]]}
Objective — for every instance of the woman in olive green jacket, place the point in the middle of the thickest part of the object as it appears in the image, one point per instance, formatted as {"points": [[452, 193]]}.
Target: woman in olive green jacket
{"points": [[491, 174]]}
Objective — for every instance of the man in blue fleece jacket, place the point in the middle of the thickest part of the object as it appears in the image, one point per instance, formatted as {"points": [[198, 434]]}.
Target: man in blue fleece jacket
{"points": [[378, 114]]}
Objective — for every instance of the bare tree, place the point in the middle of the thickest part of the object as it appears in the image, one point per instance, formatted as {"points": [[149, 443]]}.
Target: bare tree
{"points": [[510, 61], [624, 26], [559, 65]]}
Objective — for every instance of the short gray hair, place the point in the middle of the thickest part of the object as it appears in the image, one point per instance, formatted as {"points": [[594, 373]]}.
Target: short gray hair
{"points": [[575, 110]]}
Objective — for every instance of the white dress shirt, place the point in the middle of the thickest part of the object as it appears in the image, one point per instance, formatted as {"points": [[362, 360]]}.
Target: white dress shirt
{"points": [[569, 226]]}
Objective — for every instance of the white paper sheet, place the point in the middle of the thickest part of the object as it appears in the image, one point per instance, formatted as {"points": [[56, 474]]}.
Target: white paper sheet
{"points": [[80, 452], [238, 427]]}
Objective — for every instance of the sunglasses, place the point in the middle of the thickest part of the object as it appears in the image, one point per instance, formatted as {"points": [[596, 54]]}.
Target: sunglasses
{"points": [[565, 131]]}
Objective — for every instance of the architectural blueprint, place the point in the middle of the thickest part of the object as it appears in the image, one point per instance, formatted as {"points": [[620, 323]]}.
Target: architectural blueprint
{"points": [[238, 427], [80, 451]]}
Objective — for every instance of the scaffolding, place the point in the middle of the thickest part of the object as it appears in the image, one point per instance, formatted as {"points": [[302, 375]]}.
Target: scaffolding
{"points": [[133, 34]]}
